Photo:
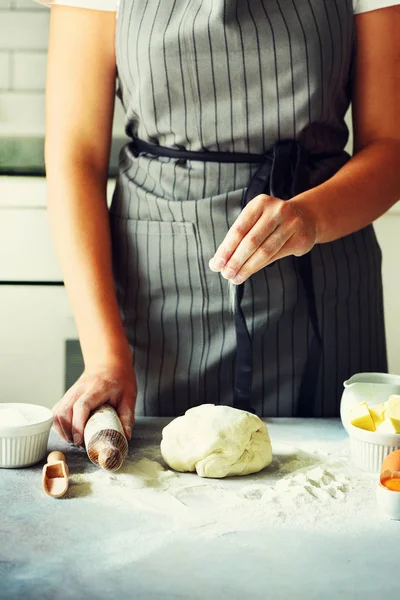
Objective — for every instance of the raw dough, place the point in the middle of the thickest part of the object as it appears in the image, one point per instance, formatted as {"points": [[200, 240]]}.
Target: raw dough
{"points": [[216, 441]]}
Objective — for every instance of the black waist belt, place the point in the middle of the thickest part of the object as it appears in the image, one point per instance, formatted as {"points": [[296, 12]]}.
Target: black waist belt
{"points": [[283, 175]]}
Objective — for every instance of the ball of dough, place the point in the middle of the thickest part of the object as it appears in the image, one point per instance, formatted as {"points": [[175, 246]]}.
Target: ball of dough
{"points": [[216, 441]]}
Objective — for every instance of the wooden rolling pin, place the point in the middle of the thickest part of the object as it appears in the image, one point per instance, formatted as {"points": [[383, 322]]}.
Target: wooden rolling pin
{"points": [[105, 441], [55, 475]]}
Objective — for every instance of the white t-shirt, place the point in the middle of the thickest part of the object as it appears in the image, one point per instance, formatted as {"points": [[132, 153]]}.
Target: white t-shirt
{"points": [[359, 6]]}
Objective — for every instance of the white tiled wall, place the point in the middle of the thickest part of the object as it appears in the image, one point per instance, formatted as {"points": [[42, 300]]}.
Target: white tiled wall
{"points": [[23, 52]]}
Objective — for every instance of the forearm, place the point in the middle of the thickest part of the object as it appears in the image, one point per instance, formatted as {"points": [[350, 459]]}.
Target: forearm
{"points": [[79, 221], [363, 190]]}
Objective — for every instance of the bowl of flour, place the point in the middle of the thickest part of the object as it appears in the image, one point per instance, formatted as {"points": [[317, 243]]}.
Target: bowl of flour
{"points": [[24, 434]]}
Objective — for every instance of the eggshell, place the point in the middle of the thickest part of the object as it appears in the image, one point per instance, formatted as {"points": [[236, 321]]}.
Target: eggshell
{"points": [[391, 462], [390, 471]]}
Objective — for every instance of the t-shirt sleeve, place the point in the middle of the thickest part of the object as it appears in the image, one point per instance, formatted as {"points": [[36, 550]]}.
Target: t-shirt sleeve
{"points": [[361, 6], [110, 5]]}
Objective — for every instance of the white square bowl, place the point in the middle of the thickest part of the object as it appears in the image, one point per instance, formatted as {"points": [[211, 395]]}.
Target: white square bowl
{"points": [[368, 449], [24, 445]]}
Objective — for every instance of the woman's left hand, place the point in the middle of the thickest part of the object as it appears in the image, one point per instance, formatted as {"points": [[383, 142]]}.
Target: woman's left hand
{"points": [[266, 230]]}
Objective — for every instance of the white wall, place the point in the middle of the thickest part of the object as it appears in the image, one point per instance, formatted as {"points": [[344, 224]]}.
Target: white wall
{"points": [[23, 52]]}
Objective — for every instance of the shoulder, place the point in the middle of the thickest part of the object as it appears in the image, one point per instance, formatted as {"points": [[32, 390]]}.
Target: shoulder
{"points": [[109, 5], [361, 6]]}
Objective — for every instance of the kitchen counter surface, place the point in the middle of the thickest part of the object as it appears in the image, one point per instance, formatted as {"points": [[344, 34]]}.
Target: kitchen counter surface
{"points": [[131, 534]]}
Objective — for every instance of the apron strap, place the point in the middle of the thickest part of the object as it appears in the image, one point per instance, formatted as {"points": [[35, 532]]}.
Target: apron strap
{"points": [[141, 147], [282, 175]]}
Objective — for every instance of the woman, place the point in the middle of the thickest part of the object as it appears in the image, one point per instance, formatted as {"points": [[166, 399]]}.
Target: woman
{"points": [[236, 170]]}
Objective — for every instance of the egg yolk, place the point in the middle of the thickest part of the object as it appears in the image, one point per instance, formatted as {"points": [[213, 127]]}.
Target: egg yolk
{"points": [[392, 484]]}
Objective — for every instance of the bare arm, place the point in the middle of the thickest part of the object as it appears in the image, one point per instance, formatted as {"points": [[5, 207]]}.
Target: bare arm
{"points": [[369, 184], [365, 188], [80, 101]]}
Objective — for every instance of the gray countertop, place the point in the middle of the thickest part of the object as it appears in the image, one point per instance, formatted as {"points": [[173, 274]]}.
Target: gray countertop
{"points": [[101, 542]]}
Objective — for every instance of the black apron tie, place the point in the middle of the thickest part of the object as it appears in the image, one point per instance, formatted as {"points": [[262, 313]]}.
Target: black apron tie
{"points": [[283, 175]]}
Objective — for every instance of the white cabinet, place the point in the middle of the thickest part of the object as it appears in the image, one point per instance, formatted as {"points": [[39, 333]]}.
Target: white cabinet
{"points": [[388, 232], [26, 246], [39, 350], [37, 332]]}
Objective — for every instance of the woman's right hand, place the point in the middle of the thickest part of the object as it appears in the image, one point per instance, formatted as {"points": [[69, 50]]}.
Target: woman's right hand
{"points": [[114, 384]]}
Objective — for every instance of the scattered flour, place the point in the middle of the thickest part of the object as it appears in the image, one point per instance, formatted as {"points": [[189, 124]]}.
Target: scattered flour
{"points": [[298, 490]]}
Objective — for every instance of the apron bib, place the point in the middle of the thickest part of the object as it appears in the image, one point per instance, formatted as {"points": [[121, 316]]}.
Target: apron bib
{"points": [[246, 78]]}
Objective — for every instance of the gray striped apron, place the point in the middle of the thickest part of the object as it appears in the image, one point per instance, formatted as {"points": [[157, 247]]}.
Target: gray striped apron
{"points": [[235, 76]]}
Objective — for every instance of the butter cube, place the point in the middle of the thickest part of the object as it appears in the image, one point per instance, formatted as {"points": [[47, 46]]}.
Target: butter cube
{"points": [[393, 416], [393, 413], [361, 417], [389, 426], [377, 413], [395, 424], [394, 404]]}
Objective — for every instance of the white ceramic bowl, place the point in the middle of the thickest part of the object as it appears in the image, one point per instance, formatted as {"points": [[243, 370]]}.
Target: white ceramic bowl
{"points": [[24, 445], [388, 502], [368, 449], [372, 388]]}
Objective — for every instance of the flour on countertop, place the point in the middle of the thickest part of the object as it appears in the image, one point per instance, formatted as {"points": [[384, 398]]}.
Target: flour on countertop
{"points": [[298, 490]]}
